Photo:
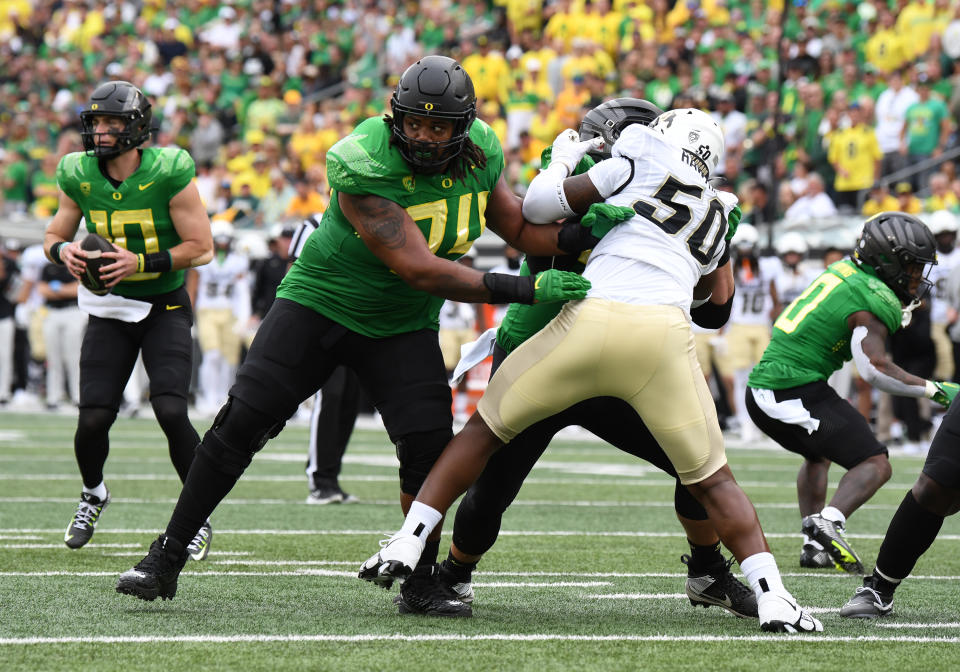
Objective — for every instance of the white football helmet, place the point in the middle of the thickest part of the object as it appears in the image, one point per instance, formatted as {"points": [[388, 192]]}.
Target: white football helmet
{"points": [[942, 221], [222, 232], [746, 237], [693, 131], [792, 242]]}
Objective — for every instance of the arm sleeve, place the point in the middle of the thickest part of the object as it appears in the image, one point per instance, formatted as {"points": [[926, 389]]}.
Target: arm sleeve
{"points": [[545, 201], [872, 375]]}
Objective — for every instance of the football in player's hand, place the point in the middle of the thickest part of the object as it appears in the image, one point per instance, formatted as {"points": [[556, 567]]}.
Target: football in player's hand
{"points": [[94, 246]]}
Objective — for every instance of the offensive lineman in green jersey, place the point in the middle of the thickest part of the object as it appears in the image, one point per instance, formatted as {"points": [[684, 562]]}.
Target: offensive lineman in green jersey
{"points": [[846, 313], [411, 192], [145, 203]]}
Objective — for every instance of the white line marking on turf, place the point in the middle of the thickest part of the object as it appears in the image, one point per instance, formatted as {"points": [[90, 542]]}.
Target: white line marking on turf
{"points": [[503, 533], [264, 639], [638, 596], [918, 625]]}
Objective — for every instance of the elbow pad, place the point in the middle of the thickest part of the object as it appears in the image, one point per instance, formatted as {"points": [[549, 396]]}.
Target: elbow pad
{"points": [[710, 315], [545, 201]]}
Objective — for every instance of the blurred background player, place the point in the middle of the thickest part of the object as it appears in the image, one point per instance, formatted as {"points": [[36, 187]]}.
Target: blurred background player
{"points": [[223, 310], [144, 201], [63, 329], [459, 325]]}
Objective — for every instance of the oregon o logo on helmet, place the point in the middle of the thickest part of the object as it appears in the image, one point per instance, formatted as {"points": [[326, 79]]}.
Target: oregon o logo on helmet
{"points": [[428, 106], [94, 106]]}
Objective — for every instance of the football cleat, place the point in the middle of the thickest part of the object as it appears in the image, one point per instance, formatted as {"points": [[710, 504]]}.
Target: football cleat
{"points": [[424, 592], [779, 613], [462, 589], [832, 537], [84, 520], [396, 560], [329, 494], [815, 558], [719, 587], [155, 575], [867, 602], [199, 547]]}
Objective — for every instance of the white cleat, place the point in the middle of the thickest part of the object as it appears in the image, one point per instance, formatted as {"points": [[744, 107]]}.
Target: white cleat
{"points": [[779, 613], [396, 560]]}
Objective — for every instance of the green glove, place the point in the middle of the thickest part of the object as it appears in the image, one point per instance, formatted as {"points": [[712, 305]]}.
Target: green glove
{"points": [[601, 217], [733, 221], [586, 163], [554, 285], [946, 392]]}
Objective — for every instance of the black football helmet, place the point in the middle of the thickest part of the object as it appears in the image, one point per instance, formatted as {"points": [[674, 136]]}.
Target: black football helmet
{"points": [[891, 243], [607, 120], [434, 86], [116, 99]]}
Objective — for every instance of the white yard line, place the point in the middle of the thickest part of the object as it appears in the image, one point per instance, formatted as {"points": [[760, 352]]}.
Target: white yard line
{"points": [[546, 637]]}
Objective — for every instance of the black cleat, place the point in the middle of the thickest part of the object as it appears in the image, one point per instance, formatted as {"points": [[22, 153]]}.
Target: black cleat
{"points": [[424, 593], [833, 538], [867, 602], [812, 557], [84, 520], [719, 587], [155, 575]]}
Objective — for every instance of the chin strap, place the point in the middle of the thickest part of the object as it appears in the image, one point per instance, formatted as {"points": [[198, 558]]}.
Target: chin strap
{"points": [[907, 314]]}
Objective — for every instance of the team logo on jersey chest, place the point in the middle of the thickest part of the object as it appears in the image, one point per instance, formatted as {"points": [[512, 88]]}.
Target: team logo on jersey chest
{"points": [[446, 183], [85, 188], [117, 195], [409, 183]]}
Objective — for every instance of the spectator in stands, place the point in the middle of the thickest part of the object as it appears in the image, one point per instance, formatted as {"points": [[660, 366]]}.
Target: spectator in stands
{"points": [[880, 200], [906, 201], [941, 198], [734, 125], [926, 129], [307, 200], [891, 111], [855, 155], [814, 203]]}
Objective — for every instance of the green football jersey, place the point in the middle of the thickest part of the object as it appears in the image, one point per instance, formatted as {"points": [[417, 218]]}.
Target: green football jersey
{"points": [[338, 276], [135, 215], [811, 338]]}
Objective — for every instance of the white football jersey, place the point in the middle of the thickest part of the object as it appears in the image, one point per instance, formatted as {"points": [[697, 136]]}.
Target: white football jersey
{"points": [[677, 235], [752, 301], [220, 280], [791, 283], [938, 276]]}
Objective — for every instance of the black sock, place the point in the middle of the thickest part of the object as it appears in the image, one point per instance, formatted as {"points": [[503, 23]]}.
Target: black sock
{"points": [[430, 551], [909, 535], [460, 571], [205, 487], [703, 558]]}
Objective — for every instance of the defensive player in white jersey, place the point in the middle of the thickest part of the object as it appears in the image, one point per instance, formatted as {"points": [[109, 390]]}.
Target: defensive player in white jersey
{"points": [[630, 339], [223, 309], [943, 225]]}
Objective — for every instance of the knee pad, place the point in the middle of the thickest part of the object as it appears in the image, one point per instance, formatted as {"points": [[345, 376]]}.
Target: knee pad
{"points": [[94, 421], [417, 452], [238, 432]]}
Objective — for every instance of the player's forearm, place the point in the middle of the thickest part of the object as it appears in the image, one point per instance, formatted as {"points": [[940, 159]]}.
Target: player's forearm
{"points": [[875, 366], [190, 254], [450, 280], [536, 239]]}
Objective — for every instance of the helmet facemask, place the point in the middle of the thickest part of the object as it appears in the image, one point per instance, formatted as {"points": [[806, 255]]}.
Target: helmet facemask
{"points": [[429, 157]]}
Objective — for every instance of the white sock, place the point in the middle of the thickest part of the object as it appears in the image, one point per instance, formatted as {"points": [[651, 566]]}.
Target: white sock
{"points": [[420, 521], [100, 492], [762, 573], [834, 515]]}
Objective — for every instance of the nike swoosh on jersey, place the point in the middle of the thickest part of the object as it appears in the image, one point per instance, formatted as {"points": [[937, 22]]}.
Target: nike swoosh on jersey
{"points": [[147, 185], [169, 307], [536, 283]]}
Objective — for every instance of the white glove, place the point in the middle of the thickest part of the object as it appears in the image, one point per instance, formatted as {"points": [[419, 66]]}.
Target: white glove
{"points": [[779, 613], [568, 150]]}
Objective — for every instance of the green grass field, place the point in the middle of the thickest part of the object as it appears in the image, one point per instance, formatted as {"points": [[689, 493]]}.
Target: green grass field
{"points": [[586, 575]]}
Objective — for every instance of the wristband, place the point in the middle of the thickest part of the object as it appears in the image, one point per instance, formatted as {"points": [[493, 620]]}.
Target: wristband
{"points": [[55, 252], [505, 288], [155, 262]]}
